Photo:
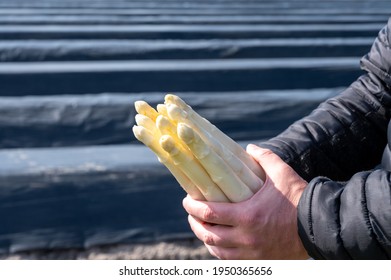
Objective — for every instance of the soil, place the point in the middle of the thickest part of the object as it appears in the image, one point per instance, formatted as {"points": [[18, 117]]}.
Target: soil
{"points": [[170, 250]]}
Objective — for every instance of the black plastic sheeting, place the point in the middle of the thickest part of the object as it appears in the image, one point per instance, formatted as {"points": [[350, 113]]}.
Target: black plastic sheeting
{"points": [[48, 78], [81, 120], [82, 197], [78, 50], [190, 31]]}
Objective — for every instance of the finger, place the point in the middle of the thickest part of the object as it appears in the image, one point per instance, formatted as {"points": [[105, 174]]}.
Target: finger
{"points": [[282, 176], [212, 212], [215, 235]]}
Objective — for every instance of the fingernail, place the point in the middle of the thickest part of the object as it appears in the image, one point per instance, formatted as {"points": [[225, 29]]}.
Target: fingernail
{"points": [[250, 147]]}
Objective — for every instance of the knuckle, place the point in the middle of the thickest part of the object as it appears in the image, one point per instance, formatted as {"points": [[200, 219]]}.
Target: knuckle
{"points": [[249, 219], [250, 241], [208, 215], [208, 239], [261, 152], [266, 152]]}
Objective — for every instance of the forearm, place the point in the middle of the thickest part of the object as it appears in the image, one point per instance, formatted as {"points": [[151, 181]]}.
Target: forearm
{"points": [[346, 134], [342, 136]]}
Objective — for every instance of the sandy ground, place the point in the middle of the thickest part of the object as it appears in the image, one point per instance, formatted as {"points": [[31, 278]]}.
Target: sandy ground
{"points": [[174, 250]]}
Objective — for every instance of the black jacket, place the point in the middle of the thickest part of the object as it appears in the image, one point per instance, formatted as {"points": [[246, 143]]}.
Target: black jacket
{"points": [[343, 149]]}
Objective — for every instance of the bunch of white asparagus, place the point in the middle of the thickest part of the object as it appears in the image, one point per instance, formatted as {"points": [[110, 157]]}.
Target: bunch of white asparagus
{"points": [[207, 164]]}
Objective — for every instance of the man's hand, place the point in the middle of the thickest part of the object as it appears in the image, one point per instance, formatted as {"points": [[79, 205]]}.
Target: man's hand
{"points": [[262, 227]]}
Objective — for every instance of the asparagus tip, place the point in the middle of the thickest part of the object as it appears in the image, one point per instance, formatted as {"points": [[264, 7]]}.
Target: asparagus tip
{"points": [[142, 135], [140, 119], [137, 132], [185, 133], [139, 105], [161, 108], [168, 144], [173, 99], [175, 112], [162, 122]]}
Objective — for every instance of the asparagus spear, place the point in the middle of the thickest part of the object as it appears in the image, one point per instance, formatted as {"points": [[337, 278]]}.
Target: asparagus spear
{"points": [[150, 139], [196, 173], [207, 163], [231, 158], [204, 125], [162, 109], [217, 168], [144, 108]]}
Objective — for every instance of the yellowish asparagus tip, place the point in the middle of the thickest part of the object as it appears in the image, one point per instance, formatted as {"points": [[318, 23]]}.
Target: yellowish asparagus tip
{"points": [[142, 135], [139, 105], [168, 144], [193, 141], [144, 108], [185, 133], [163, 123], [162, 110], [144, 121], [173, 99], [175, 112]]}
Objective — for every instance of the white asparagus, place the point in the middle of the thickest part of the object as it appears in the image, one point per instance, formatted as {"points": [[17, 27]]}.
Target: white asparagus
{"points": [[166, 126], [193, 169], [150, 140], [145, 109], [217, 168], [206, 163], [202, 123], [145, 122], [240, 168], [162, 110]]}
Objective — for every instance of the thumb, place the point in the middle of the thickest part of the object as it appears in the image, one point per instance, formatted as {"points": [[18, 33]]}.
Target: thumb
{"points": [[265, 157]]}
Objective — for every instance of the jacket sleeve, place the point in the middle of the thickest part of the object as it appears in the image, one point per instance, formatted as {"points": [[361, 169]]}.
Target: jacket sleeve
{"points": [[343, 140], [353, 124]]}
